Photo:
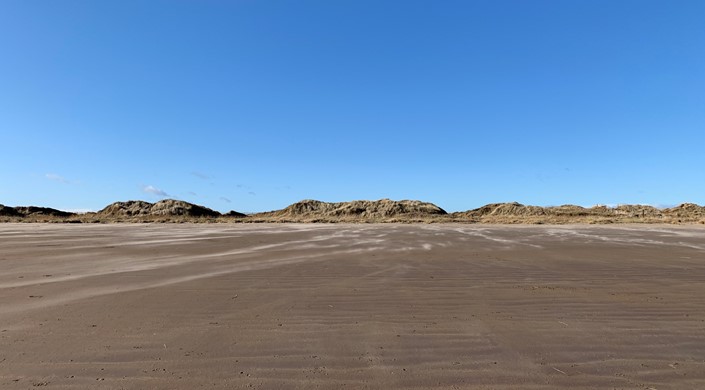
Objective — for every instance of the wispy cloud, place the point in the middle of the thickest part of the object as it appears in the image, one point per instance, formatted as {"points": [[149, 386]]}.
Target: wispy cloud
{"points": [[57, 178], [224, 199], [251, 193], [192, 193], [663, 205], [152, 190], [79, 211], [200, 175]]}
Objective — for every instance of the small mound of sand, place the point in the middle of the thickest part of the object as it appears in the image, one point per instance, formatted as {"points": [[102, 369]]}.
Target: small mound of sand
{"points": [[637, 211], [6, 211], [518, 213], [163, 208], [367, 210], [32, 211], [126, 209], [504, 209], [686, 210]]}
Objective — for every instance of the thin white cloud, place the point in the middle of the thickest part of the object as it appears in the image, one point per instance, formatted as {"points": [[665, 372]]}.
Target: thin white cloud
{"points": [[57, 178], [663, 205], [79, 211], [200, 175], [152, 190], [251, 193]]}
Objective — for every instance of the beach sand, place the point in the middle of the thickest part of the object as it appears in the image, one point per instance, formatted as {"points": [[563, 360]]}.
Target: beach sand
{"points": [[302, 306]]}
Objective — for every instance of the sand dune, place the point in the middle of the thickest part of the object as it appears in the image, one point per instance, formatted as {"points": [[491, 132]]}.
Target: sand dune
{"points": [[358, 210], [364, 211]]}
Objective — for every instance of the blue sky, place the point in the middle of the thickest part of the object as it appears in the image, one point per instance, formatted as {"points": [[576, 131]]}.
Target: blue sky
{"points": [[253, 105]]}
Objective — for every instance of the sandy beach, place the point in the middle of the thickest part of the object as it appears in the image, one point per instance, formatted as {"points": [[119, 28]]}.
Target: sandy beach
{"points": [[330, 306]]}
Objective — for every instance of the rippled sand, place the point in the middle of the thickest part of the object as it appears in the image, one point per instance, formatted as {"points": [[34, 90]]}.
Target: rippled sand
{"points": [[352, 306]]}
